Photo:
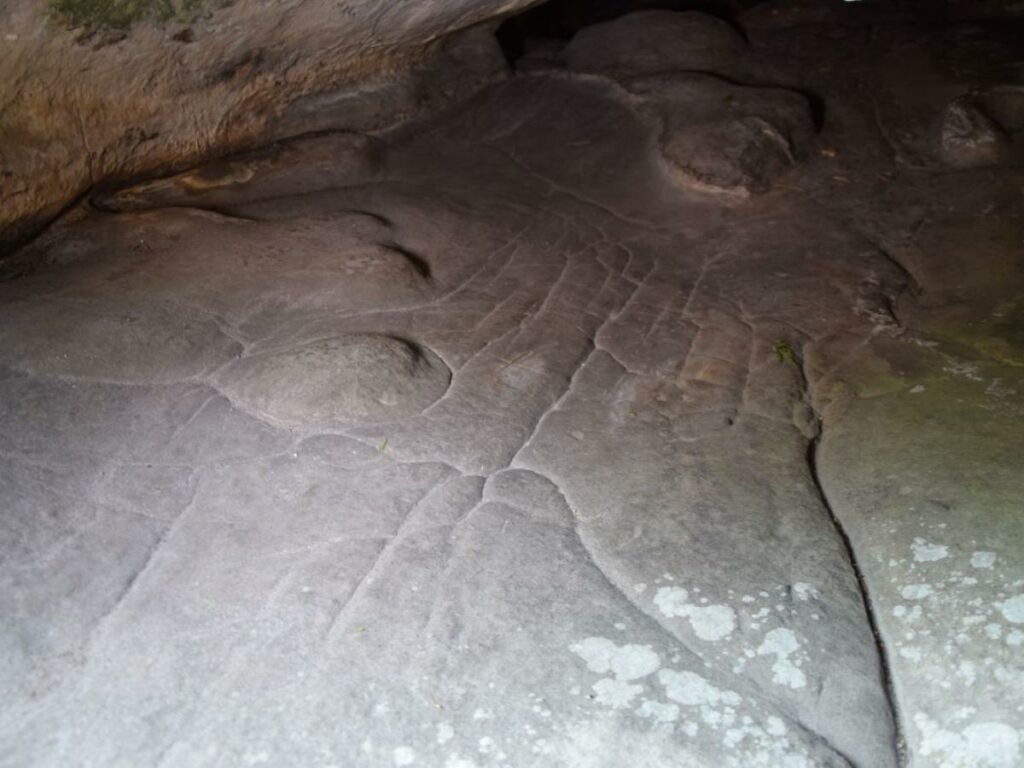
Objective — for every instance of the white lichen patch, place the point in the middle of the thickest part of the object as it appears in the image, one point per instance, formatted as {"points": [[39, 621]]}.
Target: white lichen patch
{"points": [[709, 622], [916, 591], [692, 690], [803, 591], [626, 664], [722, 715], [911, 652], [747, 743], [966, 370], [617, 694], [907, 614], [967, 672], [403, 756], [782, 643], [658, 711], [979, 745], [763, 748], [983, 559], [924, 552], [1013, 609]]}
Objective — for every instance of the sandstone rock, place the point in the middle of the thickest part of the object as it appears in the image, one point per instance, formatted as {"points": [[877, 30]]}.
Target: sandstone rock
{"points": [[608, 530], [216, 265], [294, 167], [968, 138], [89, 98], [646, 42], [723, 137], [353, 379]]}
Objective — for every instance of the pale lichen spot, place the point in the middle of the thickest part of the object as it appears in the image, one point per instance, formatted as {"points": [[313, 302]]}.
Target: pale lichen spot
{"points": [[692, 690], [403, 756], [916, 591], [626, 662], [617, 694], [659, 712], [980, 745], [784, 646], [709, 622], [804, 591], [1013, 609], [925, 552], [983, 559], [911, 653]]}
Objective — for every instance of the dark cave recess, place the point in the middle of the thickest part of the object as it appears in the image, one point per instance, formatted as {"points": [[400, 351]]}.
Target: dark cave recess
{"points": [[561, 19]]}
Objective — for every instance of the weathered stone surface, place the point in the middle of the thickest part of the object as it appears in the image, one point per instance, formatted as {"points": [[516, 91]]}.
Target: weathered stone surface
{"points": [[303, 165], [110, 341], [533, 308], [518, 452], [722, 137], [122, 94], [940, 542]]}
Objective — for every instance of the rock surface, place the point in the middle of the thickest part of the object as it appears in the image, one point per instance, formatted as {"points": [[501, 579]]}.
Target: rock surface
{"points": [[722, 137], [98, 91], [344, 380], [486, 441], [968, 138]]}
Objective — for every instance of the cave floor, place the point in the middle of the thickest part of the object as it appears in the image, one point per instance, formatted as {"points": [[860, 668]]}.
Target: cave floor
{"points": [[486, 441]]}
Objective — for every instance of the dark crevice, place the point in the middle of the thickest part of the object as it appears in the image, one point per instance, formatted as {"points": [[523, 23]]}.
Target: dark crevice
{"points": [[719, 675], [888, 687]]}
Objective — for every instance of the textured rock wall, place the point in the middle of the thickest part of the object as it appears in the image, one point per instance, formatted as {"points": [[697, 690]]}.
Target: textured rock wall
{"points": [[93, 90]]}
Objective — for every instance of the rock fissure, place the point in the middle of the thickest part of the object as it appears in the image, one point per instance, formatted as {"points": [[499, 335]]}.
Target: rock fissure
{"points": [[884, 661]]}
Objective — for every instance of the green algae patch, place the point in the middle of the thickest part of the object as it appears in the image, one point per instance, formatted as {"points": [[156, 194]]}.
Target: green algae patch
{"points": [[947, 442], [123, 14], [971, 270], [948, 436], [916, 385], [784, 353], [920, 378], [999, 337]]}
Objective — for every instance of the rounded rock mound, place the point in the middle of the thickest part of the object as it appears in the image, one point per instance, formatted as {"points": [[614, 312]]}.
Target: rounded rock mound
{"points": [[351, 379], [722, 137], [646, 42]]}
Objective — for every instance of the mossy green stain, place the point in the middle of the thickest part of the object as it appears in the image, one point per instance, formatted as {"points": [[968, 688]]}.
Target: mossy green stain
{"points": [[123, 14], [998, 337], [784, 353]]}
